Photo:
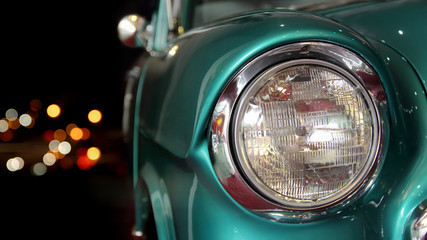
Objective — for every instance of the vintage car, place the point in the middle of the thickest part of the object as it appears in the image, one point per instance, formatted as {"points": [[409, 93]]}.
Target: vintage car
{"points": [[278, 119]]}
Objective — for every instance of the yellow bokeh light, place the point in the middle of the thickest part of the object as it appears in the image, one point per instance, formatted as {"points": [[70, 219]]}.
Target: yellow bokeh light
{"points": [[94, 116], [93, 153], [76, 134], [53, 111]]}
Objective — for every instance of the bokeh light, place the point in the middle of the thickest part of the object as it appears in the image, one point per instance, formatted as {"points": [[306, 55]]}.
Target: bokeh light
{"points": [[64, 148], [53, 145], [6, 136], [93, 153], [95, 116], [15, 164], [48, 135], [60, 135], [86, 134], [84, 163], [11, 114], [70, 127], [76, 134], [4, 125], [49, 159], [14, 124], [38, 169], [53, 111], [25, 120]]}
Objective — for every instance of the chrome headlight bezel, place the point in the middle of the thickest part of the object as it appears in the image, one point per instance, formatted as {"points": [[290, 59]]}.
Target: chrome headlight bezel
{"points": [[234, 179]]}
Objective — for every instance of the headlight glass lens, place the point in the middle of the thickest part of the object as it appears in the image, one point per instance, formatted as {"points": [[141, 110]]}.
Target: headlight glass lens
{"points": [[304, 133]]}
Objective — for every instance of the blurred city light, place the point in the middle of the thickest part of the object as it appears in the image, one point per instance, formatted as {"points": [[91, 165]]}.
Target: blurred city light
{"points": [[70, 127], [86, 133], [48, 135], [93, 153], [15, 164], [76, 134], [95, 116], [14, 124], [49, 159], [60, 135], [6, 136], [84, 163], [60, 142], [38, 169], [4, 125], [53, 111], [53, 145], [11, 114], [64, 147], [25, 120]]}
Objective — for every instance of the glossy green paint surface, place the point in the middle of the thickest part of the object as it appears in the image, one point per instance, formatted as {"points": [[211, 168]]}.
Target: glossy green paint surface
{"points": [[180, 89], [183, 88], [400, 25]]}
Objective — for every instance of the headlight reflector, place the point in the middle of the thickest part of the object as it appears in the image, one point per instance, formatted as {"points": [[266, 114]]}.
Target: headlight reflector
{"points": [[304, 131]]}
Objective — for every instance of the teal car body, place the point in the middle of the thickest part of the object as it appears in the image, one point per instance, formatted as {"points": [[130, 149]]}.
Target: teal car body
{"points": [[176, 85]]}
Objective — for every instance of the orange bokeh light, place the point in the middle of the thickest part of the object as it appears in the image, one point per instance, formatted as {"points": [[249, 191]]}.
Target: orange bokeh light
{"points": [[76, 134], [60, 135], [53, 111], [6, 136], [86, 134]]}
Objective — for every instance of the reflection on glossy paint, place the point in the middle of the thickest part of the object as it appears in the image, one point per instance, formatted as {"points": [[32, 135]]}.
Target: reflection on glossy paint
{"points": [[190, 207], [173, 50]]}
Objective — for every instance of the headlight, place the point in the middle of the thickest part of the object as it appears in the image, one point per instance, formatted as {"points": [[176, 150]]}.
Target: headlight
{"points": [[302, 132]]}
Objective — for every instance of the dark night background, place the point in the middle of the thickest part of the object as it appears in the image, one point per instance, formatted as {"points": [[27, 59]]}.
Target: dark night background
{"points": [[67, 53]]}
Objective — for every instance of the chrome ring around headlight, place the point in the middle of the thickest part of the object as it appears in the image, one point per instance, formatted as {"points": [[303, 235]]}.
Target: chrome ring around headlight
{"points": [[238, 178], [297, 157]]}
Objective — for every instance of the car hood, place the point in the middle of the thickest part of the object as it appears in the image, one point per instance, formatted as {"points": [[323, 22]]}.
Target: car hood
{"points": [[397, 24]]}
